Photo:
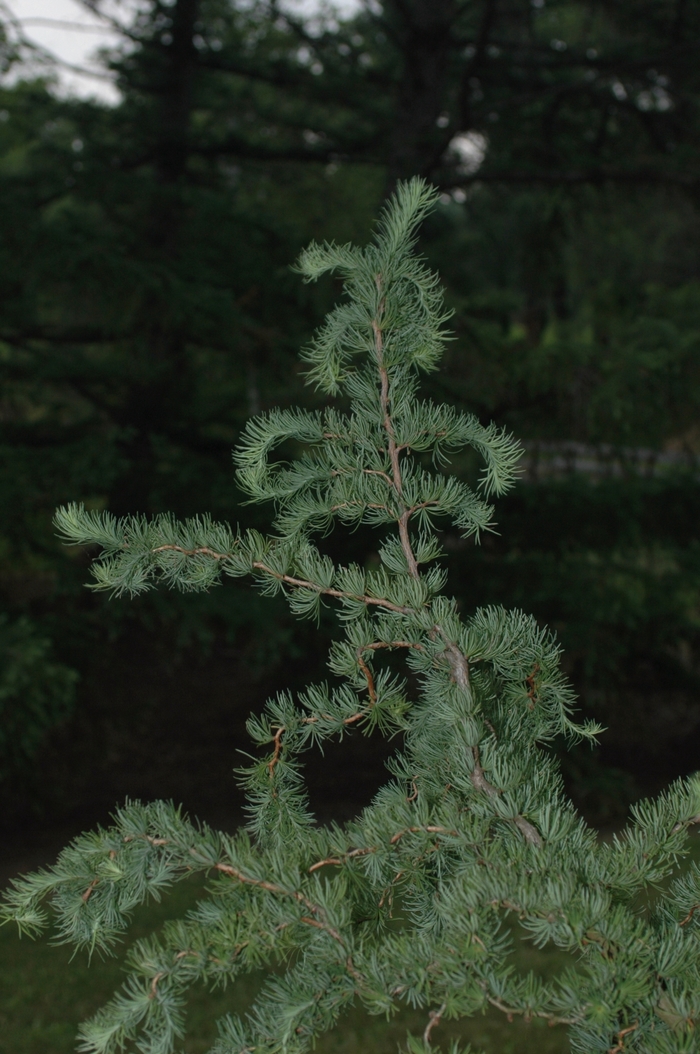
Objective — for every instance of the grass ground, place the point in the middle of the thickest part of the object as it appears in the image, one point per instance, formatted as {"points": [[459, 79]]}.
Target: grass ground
{"points": [[44, 995]]}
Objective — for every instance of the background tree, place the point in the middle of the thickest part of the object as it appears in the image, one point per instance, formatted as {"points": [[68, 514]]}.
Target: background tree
{"points": [[148, 310]]}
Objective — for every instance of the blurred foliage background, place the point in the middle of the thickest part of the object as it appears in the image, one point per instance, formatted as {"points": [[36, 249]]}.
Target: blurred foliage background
{"points": [[147, 309]]}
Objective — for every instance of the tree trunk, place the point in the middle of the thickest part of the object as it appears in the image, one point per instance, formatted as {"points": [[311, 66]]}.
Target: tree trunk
{"points": [[424, 29], [162, 383]]}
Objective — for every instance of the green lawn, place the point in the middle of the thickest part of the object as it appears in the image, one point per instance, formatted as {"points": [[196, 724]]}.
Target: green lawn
{"points": [[44, 995]]}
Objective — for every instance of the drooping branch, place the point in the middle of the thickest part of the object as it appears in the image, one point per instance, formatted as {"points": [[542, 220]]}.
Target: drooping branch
{"points": [[434, 1018], [300, 583], [318, 915], [376, 646], [512, 1011], [281, 729], [479, 781]]}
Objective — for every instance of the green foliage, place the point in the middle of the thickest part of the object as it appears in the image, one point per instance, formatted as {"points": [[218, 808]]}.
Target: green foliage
{"points": [[409, 903], [35, 692], [45, 992]]}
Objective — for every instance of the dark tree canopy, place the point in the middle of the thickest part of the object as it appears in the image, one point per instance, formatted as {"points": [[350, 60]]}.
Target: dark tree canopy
{"points": [[147, 309]]}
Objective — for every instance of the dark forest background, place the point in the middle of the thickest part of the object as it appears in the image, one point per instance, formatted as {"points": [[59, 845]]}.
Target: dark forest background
{"points": [[147, 308]]}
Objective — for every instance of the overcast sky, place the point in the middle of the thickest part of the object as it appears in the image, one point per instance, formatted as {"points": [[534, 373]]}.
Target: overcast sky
{"points": [[68, 31], [74, 42]]}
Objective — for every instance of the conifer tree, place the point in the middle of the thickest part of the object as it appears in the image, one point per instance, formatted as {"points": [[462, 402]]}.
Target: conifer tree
{"points": [[411, 903]]}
